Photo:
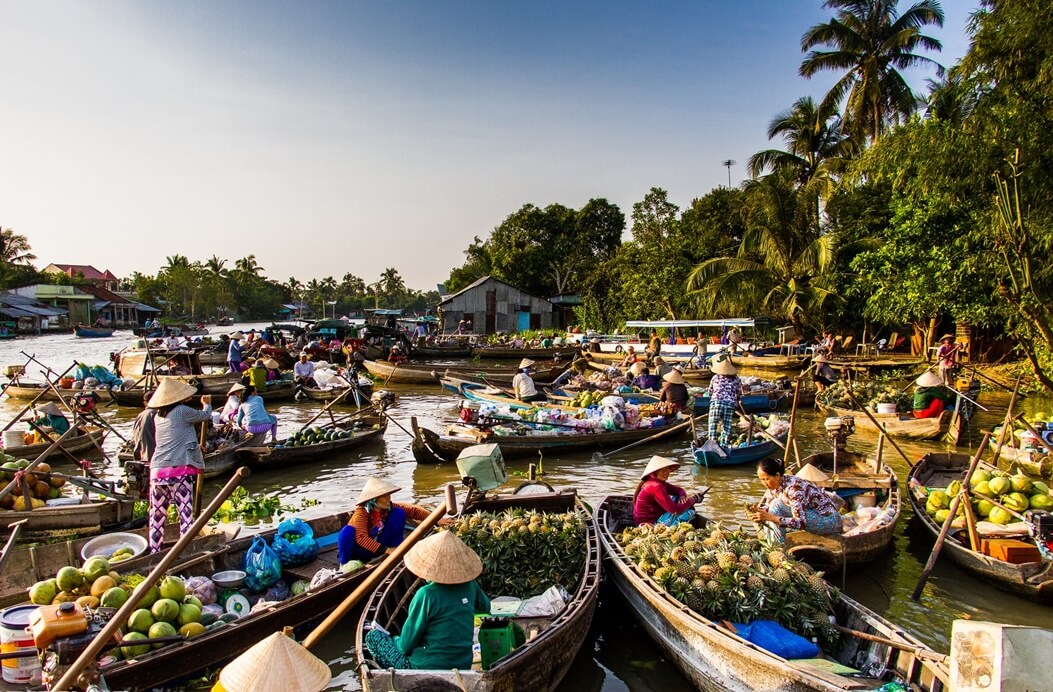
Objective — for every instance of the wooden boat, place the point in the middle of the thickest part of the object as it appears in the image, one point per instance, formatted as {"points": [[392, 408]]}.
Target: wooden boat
{"points": [[695, 377], [358, 398], [89, 437], [174, 329], [734, 456], [714, 658], [363, 429], [770, 361], [855, 476], [414, 373], [769, 400], [92, 332], [450, 349], [509, 353], [430, 447], [217, 463], [483, 393], [27, 565], [181, 365], [905, 427], [42, 392], [539, 664], [1033, 580], [216, 647], [104, 510]]}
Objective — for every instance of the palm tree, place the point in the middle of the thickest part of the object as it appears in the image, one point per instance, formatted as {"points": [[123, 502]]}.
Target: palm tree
{"points": [[14, 248], [815, 144], [782, 261], [248, 265], [871, 42], [176, 262], [393, 285], [951, 100], [215, 265]]}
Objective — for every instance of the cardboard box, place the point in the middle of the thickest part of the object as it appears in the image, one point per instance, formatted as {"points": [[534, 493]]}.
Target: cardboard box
{"points": [[1010, 550]]}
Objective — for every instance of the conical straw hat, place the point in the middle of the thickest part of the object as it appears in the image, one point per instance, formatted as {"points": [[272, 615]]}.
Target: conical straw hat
{"points": [[674, 377], [237, 335], [810, 473], [820, 359], [928, 379], [637, 368], [51, 409], [171, 392], [657, 360], [657, 463], [235, 388], [272, 364], [275, 664], [525, 363], [444, 558], [723, 367], [374, 488], [947, 336]]}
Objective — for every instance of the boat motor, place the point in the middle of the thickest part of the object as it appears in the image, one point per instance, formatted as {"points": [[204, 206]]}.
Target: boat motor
{"points": [[839, 428], [1040, 526]]}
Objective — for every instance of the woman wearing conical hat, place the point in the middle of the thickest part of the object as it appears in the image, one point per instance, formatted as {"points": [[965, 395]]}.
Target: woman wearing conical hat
{"points": [[724, 392], [657, 501], [674, 391], [377, 525], [440, 621], [642, 377], [794, 502], [947, 357], [931, 396], [523, 384], [235, 352], [51, 417], [177, 457], [824, 374]]}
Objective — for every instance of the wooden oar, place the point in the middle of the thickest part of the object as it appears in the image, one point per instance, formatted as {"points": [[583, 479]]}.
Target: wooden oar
{"points": [[16, 528], [105, 637], [665, 431], [381, 570], [791, 433], [946, 528], [35, 399], [878, 425], [390, 374], [918, 651], [1007, 424]]}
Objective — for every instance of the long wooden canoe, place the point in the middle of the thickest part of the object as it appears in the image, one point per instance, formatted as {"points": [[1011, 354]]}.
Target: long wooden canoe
{"points": [[415, 373], [855, 475], [88, 438], [279, 391], [695, 377], [217, 463], [430, 447], [714, 658], [906, 427], [1033, 580], [734, 456], [510, 353], [42, 392], [537, 665], [365, 429], [94, 515]]}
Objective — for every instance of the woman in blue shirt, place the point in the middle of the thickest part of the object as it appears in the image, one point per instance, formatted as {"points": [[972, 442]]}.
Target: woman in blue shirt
{"points": [[254, 417]]}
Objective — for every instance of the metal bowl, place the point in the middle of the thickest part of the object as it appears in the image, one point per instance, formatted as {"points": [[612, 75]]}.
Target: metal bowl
{"points": [[229, 579], [106, 544]]}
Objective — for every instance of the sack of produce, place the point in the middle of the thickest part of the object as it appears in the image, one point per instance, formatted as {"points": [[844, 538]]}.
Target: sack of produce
{"points": [[294, 543], [203, 588], [262, 566]]}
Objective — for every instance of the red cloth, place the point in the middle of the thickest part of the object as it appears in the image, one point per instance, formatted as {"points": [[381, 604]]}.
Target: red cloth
{"points": [[656, 498], [933, 410]]}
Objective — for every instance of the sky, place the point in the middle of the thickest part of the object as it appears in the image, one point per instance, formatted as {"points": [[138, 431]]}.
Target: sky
{"points": [[329, 137]]}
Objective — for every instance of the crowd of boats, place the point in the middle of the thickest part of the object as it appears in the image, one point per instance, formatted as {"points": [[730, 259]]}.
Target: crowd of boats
{"points": [[356, 411]]}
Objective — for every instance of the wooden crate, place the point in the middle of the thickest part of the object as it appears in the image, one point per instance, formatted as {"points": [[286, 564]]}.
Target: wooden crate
{"points": [[1010, 550]]}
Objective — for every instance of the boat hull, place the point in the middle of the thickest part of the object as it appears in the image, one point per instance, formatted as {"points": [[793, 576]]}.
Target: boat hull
{"points": [[270, 457], [904, 428], [74, 444], [736, 455]]}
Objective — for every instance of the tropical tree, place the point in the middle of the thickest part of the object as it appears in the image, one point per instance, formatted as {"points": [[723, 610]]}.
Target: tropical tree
{"points": [[15, 257], [393, 286], [871, 42]]}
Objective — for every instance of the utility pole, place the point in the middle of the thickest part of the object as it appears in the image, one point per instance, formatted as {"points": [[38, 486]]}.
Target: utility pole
{"points": [[728, 163]]}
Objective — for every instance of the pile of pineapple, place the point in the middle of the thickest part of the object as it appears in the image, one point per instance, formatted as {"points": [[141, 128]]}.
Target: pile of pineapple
{"points": [[731, 575]]}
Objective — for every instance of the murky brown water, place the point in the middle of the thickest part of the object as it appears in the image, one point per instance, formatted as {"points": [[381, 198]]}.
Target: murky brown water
{"points": [[618, 655]]}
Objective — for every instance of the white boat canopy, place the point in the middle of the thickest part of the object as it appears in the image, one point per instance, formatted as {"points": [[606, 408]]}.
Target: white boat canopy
{"points": [[680, 324]]}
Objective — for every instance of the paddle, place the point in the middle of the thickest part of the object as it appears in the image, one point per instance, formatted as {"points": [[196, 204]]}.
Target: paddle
{"points": [[1007, 425], [390, 374], [918, 651], [754, 426], [16, 528], [105, 637], [665, 431], [947, 524], [790, 435], [381, 570]]}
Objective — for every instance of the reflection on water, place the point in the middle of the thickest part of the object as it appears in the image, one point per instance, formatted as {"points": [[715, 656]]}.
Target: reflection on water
{"points": [[617, 656]]}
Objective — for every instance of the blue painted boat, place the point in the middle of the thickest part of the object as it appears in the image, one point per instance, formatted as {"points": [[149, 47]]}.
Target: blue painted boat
{"points": [[735, 455], [92, 332], [761, 402]]}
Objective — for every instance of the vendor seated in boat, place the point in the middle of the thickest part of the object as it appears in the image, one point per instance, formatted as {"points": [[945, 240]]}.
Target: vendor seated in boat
{"points": [[793, 502], [931, 397], [657, 501], [824, 374], [630, 358], [274, 370], [51, 418], [396, 355], [230, 409], [523, 385], [377, 525], [256, 375], [661, 368], [673, 393], [643, 379], [438, 631], [303, 372], [253, 417]]}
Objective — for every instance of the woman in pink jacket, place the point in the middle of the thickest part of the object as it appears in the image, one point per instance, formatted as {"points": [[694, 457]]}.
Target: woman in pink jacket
{"points": [[657, 501]]}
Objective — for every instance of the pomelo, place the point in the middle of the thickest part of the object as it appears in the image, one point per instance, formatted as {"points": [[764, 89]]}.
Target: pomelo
{"points": [[141, 620], [1000, 485], [161, 629], [165, 610], [43, 592], [1021, 483], [102, 585], [939, 499], [131, 650], [1017, 502], [188, 613], [941, 516], [113, 598], [1041, 502], [999, 516], [1039, 487], [148, 599], [953, 488], [983, 508], [95, 567], [979, 476], [69, 578], [173, 588], [982, 488], [194, 600], [192, 629]]}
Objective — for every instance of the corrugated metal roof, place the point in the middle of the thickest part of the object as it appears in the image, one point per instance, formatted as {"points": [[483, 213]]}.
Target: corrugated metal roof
{"points": [[14, 312]]}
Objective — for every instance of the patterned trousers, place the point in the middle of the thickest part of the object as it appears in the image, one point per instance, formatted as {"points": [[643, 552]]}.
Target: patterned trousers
{"points": [[823, 525], [179, 491], [721, 413], [385, 651]]}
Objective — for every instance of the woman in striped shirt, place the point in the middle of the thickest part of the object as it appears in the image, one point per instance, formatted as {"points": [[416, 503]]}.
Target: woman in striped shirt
{"points": [[377, 525]]}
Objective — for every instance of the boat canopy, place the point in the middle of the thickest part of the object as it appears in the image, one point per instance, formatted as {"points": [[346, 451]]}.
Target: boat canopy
{"points": [[681, 324]]}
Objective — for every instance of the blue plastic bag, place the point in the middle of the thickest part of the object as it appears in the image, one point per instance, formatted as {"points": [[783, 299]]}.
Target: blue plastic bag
{"points": [[771, 636], [262, 567], [294, 543]]}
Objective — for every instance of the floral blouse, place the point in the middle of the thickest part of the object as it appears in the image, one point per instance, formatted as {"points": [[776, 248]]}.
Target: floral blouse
{"points": [[800, 495], [725, 388]]}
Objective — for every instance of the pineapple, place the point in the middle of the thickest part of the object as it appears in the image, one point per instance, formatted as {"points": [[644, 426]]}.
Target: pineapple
{"points": [[684, 570], [707, 572], [678, 553], [776, 558], [754, 582], [663, 574], [745, 561], [781, 575], [816, 585], [726, 560]]}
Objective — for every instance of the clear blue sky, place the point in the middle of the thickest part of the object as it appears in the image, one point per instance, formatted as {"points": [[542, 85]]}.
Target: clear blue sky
{"points": [[329, 137]]}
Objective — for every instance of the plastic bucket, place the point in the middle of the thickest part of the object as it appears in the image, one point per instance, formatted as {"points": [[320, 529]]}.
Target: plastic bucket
{"points": [[886, 408], [66, 382], [14, 438], [15, 636]]}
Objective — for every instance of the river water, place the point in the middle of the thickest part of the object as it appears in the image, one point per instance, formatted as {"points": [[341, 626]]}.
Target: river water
{"points": [[618, 655]]}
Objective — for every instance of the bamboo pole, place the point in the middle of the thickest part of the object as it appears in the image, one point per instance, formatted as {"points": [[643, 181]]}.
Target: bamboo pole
{"points": [[791, 434], [72, 675], [880, 427], [1007, 424], [35, 399], [381, 570], [947, 524], [665, 431], [6, 490]]}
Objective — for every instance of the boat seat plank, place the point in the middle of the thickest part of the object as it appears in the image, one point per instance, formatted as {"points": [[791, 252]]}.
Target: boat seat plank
{"points": [[856, 482], [327, 559]]}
